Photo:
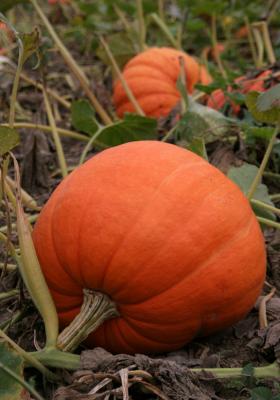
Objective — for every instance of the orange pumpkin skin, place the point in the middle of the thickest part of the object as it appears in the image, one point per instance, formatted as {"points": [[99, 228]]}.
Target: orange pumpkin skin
{"points": [[167, 236], [152, 77]]}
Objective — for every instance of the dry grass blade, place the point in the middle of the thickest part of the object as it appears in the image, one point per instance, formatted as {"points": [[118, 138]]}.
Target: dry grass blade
{"points": [[124, 379], [151, 388], [262, 309], [100, 385], [120, 76]]}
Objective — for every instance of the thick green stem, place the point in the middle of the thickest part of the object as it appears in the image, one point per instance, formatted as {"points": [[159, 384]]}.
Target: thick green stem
{"points": [[28, 357], [57, 359], [251, 41], [96, 308], [258, 177], [270, 371]]}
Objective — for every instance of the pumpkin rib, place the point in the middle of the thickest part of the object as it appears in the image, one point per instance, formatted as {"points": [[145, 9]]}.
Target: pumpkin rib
{"points": [[172, 99], [74, 281], [193, 217], [108, 334], [141, 213], [215, 253], [147, 69], [140, 330], [124, 98]]}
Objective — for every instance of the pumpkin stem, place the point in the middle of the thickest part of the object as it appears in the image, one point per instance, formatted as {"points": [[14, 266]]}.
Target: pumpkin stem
{"points": [[97, 307]]}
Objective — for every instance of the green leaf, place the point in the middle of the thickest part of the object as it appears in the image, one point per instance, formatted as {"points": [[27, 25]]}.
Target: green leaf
{"points": [[9, 138], [7, 4], [122, 46], [261, 393], [131, 128], [203, 122], [243, 176], [83, 117], [264, 132], [10, 389], [197, 146], [270, 116], [269, 99]]}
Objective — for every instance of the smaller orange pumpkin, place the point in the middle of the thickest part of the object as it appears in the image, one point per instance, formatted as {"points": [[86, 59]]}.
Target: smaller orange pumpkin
{"points": [[152, 76], [218, 99]]}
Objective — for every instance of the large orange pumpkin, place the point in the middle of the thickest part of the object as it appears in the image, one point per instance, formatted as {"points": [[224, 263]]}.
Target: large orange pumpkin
{"points": [[152, 77], [167, 236]]}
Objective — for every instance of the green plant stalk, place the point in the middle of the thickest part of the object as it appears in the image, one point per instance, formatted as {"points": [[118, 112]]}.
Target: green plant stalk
{"points": [[27, 200], [267, 42], [251, 41], [270, 371], [269, 222], [58, 145], [9, 267], [165, 30], [266, 206], [122, 17], [12, 249], [74, 67], [120, 76], [275, 197], [15, 90], [31, 219], [259, 43], [31, 271], [258, 177], [51, 92], [215, 44], [21, 381], [89, 145], [28, 357], [48, 129], [57, 359], [5, 325], [141, 24], [271, 175], [7, 295], [161, 10]]}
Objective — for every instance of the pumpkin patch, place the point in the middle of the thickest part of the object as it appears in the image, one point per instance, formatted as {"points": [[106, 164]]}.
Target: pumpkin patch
{"points": [[171, 240], [152, 77]]}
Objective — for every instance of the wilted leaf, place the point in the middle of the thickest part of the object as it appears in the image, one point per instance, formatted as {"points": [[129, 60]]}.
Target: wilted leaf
{"points": [[270, 116], [9, 138], [10, 389], [243, 176], [83, 117], [269, 99], [30, 43], [201, 121], [131, 128]]}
